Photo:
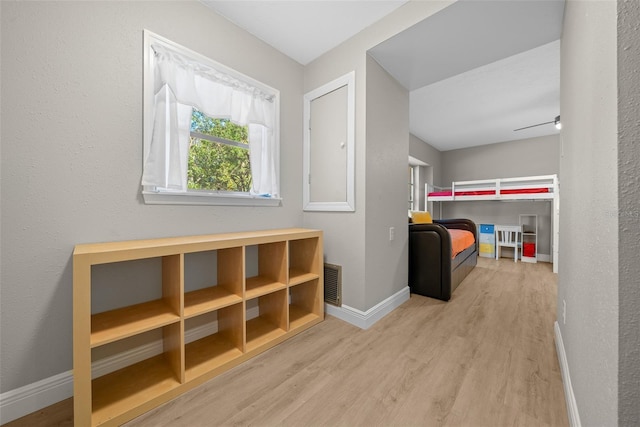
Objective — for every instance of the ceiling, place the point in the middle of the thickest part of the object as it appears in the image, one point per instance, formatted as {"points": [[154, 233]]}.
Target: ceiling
{"points": [[476, 70], [304, 29]]}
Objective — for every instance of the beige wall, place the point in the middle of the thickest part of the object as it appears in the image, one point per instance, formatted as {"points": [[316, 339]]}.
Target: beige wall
{"points": [[72, 154], [525, 157], [588, 278], [386, 262]]}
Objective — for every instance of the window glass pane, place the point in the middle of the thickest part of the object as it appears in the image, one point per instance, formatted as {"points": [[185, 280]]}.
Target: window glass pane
{"points": [[216, 165]]}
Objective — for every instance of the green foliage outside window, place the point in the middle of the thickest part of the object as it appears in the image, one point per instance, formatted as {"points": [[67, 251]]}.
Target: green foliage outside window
{"points": [[214, 165]]}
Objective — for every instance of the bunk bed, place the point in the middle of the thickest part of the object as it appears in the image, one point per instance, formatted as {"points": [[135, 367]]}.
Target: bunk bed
{"points": [[543, 187]]}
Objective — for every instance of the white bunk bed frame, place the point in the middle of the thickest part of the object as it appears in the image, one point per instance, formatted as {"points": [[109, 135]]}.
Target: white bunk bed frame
{"points": [[506, 189]]}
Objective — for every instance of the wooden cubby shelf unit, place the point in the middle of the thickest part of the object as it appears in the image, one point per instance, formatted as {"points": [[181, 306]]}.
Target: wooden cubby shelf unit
{"points": [[204, 330]]}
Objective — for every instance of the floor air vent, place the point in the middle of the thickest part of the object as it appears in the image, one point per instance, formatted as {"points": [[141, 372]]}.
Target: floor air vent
{"points": [[333, 284]]}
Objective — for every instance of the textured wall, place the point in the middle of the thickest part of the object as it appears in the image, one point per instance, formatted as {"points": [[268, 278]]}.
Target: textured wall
{"points": [[387, 153], [588, 274], [629, 214], [72, 154]]}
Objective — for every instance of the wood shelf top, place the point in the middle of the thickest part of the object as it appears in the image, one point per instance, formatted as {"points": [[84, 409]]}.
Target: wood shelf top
{"points": [[134, 249], [208, 299], [114, 325], [261, 285], [297, 277]]}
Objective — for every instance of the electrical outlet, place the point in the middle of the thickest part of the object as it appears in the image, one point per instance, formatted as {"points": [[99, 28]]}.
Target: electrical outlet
{"points": [[392, 233], [564, 312]]}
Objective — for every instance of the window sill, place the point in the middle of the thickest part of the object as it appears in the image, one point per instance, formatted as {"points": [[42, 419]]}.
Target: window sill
{"points": [[207, 199]]}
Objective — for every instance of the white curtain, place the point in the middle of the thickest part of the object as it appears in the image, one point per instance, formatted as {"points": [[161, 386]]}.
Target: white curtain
{"points": [[180, 84]]}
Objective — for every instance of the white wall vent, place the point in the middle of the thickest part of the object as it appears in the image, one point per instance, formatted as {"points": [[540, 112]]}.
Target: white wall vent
{"points": [[333, 284]]}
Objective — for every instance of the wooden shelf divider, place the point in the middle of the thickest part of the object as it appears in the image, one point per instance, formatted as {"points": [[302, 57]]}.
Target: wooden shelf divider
{"points": [[297, 277], [260, 285], [207, 300], [125, 322]]}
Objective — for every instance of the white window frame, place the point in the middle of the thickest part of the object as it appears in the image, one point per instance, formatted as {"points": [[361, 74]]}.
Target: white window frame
{"points": [[412, 187], [155, 196]]}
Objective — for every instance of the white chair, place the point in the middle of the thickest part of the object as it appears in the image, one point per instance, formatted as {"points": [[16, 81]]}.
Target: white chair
{"points": [[509, 236]]}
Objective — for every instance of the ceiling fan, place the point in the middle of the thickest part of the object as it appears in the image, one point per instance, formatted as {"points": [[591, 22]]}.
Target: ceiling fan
{"points": [[555, 121]]}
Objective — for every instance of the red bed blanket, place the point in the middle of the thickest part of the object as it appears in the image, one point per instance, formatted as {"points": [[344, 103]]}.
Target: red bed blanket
{"points": [[489, 192], [460, 240]]}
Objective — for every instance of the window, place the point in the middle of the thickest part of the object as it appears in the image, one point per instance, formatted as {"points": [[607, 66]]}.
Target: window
{"points": [[411, 187], [210, 133]]}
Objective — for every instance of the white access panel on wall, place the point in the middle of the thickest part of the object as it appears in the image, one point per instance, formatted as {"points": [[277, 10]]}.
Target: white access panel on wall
{"points": [[329, 144]]}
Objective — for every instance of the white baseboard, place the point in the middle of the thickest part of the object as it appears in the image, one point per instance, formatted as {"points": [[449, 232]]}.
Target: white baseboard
{"points": [[30, 398], [366, 319], [19, 402], [572, 406]]}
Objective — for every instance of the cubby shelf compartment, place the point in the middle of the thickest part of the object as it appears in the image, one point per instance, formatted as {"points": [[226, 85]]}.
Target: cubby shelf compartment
{"points": [[271, 276], [218, 349], [529, 224], [271, 322], [125, 390], [125, 322], [303, 256], [228, 288], [289, 267], [304, 304], [298, 317]]}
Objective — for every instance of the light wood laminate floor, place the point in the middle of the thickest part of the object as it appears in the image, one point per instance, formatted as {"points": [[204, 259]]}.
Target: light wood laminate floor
{"points": [[485, 358]]}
